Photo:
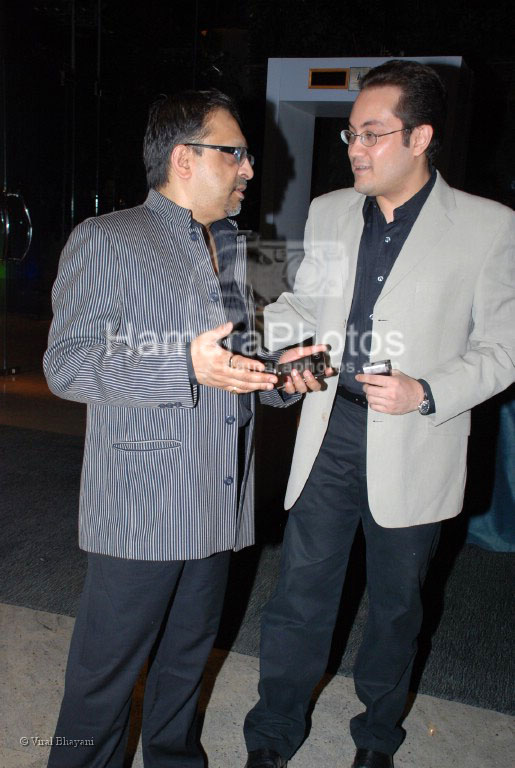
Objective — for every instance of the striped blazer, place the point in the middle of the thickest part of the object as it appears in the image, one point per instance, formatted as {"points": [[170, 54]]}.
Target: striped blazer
{"points": [[160, 472]]}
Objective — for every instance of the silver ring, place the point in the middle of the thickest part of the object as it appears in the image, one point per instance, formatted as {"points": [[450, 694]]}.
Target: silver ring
{"points": [[234, 391]]}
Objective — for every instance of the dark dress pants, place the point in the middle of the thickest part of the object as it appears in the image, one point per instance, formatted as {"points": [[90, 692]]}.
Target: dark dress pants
{"points": [[298, 622], [131, 610]]}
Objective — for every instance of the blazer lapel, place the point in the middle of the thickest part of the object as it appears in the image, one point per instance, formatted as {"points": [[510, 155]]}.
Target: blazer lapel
{"points": [[349, 227], [432, 223]]}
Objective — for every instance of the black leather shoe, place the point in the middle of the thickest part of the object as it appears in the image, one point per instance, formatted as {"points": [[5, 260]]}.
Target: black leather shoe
{"points": [[265, 758], [369, 758]]}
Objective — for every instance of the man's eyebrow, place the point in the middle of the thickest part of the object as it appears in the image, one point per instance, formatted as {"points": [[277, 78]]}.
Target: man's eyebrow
{"points": [[368, 123]]}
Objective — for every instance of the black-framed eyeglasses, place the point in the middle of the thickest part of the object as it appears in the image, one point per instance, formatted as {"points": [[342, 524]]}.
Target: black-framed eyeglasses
{"points": [[367, 138], [240, 153]]}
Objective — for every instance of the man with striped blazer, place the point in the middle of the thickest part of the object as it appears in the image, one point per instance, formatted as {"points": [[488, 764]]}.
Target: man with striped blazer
{"points": [[142, 303]]}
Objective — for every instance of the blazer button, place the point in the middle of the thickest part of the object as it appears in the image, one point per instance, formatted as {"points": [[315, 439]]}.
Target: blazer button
{"points": [[228, 480], [193, 235], [230, 419], [214, 296]]}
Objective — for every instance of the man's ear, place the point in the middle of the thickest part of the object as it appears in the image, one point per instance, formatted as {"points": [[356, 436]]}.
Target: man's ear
{"points": [[180, 161], [421, 138]]}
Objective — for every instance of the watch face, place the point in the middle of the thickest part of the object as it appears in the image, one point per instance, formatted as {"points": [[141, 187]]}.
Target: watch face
{"points": [[424, 407]]}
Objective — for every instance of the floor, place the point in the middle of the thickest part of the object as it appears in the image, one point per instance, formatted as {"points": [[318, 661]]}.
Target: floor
{"points": [[33, 648]]}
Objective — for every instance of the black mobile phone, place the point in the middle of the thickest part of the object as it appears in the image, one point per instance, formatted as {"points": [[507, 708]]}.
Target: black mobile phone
{"points": [[315, 363]]}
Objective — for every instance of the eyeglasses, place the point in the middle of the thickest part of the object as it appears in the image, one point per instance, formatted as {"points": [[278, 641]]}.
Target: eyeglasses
{"points": [[240, 153], [367, 138]]}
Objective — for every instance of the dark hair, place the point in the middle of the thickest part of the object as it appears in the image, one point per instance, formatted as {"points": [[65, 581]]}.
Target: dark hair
{"points": [[176, 120], [423, 99]]}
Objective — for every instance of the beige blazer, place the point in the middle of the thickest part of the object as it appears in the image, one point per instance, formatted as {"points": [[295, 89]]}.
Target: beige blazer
{"points": [[446, 314]]}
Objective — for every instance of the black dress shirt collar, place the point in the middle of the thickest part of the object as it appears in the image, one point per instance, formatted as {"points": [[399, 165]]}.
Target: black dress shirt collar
{"points": [[412, 207]]}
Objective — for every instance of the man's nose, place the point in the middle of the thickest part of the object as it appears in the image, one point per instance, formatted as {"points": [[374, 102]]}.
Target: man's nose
{"points": [[356, 148], [246, 170]]}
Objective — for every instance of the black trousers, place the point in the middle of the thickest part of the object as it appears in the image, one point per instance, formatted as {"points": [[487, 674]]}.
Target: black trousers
{"points": [[298, 622], [131, 610]]}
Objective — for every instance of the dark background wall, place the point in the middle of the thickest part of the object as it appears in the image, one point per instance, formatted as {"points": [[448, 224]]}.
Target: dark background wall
{"points": [[80, 75]]}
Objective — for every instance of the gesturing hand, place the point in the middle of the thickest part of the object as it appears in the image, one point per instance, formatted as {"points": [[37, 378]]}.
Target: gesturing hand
{"points": [[396, 394], [216, 367]]}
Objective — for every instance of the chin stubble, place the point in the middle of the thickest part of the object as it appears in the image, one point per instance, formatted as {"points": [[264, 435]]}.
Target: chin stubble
{"points": [[234, 211]]}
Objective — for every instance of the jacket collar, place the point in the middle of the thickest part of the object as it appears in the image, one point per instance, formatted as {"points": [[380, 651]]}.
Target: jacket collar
{"points": [[433, 222], [182, 217]]}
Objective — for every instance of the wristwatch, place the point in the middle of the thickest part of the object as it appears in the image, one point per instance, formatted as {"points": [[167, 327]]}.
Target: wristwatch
{"points": [[425, 406]]}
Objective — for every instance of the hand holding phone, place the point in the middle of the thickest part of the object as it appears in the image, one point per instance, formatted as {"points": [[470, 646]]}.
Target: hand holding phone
{"points": [[316, 363]]}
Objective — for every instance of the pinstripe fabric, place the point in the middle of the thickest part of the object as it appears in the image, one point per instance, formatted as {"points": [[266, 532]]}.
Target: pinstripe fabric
{"points": [[159, 479]]}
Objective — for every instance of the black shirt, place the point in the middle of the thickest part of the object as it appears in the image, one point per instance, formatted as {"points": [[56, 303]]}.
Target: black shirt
{"points": [[380, 244]]}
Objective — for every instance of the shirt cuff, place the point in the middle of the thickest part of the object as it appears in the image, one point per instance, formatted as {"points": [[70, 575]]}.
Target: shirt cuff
{"points": [[286, 397], [189, 362], [427, 390]]}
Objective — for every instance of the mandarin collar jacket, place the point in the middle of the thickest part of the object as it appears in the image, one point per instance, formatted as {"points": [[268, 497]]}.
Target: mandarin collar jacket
{"points": [[160, 472]]}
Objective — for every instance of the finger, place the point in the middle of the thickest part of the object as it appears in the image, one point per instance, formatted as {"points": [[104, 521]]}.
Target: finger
{"points": [[378, 408], [244, 374], [247, 386], [246, 363], [376, 394], [298, 382], [317, 348], [220, 332], [297, 352], [226, 378], [311, 382], [304, 351], [373, 379]]}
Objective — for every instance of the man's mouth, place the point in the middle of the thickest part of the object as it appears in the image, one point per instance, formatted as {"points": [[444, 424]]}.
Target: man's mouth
{"points": [[360, 168]]}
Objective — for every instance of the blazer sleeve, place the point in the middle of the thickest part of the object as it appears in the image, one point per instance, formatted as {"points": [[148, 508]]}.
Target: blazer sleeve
{"points": [[87, 359], [488, 365], [293, 317]]}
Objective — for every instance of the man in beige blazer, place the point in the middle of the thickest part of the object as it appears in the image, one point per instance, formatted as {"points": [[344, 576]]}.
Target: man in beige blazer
{"points": [[401, 267]]}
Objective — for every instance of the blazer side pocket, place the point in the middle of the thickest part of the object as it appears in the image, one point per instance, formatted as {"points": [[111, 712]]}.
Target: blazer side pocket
{"points": [[147, 445], [459, 425]]}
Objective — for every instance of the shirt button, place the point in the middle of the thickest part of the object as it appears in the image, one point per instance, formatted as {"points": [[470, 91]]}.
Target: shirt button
{"points": [[371, 317], [387, 239], [380, 279], [193, 235], [228, 480], [178, 405], [214, 296], [230, 419]]}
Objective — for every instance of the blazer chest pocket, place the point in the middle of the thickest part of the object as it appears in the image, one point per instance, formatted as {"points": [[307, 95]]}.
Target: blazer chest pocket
{"points": [[147, 445], [432, 294], [423, 302]]}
